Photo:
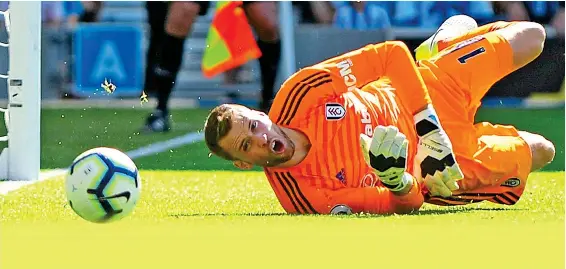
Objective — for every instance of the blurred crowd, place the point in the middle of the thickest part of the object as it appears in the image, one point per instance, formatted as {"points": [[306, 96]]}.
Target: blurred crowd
{"points": [[66, 13], [357, 15], [364, 15], [360, 15]]}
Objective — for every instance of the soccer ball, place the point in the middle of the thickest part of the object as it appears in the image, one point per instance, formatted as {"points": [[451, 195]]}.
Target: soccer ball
{"points": [[103, 185]]}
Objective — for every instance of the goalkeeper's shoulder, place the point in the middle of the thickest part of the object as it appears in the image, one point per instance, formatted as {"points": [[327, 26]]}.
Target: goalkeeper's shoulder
{"points": [[308, 88]]}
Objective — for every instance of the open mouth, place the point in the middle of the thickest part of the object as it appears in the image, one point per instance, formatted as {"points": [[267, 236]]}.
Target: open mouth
{"points": [[277, 146]]}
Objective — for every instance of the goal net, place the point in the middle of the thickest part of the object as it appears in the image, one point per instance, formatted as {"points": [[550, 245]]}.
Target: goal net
{"points": [[20, 146]]}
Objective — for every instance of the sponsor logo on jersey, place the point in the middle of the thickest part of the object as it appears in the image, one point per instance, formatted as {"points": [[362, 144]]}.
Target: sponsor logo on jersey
{"points": [[366, 123], [346, 73], [335, 111], [369, 180], [350, 81]]}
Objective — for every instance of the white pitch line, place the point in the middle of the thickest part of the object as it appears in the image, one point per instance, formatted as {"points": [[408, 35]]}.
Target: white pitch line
{"points": [[165, 145], [8, 186], [190, 138]]}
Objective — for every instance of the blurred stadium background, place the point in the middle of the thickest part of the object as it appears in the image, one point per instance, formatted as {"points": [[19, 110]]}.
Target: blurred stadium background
{"points": [[84, 42], [223, 219]]}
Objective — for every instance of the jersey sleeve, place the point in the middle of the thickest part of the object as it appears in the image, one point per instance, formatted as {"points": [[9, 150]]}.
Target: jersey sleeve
{"points": [[311, 86], [391, 59], [297, 196], [301, 93]]}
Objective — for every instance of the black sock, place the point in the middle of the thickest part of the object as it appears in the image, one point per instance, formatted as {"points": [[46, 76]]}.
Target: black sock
{"points": [[269, 64], [88, 16], [166, 69], [153, 53], [156, 17]]}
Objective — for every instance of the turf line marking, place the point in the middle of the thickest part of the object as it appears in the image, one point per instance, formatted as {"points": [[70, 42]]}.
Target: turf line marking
{"points": [[165, 145], [151, 149]]}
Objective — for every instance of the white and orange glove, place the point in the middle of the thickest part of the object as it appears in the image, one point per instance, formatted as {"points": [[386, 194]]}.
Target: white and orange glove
{"points": [[435, 163], [386, 153]]}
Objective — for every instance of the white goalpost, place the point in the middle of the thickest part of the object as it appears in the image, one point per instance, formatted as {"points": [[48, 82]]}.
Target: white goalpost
{"points": [[20, 160]]}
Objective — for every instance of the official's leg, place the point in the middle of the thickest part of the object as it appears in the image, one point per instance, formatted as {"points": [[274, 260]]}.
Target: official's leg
{"points": [[263, 17], [180, 18], [156, 16]]}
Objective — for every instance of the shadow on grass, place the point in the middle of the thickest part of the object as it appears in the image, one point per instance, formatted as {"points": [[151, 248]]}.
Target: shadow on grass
{"points": [[453, 210], [425, 212], [183, 215]]}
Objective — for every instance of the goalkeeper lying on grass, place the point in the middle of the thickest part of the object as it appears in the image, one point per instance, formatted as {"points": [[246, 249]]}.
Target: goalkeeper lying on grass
{"points": [[362, 132]]}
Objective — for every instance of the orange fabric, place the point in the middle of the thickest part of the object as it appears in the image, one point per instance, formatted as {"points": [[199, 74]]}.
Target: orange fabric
{"points": [[442, 44], [457, 88], [335, 101], [334, 171], [498, 171], [489, 155], [230, 41], [391, 59], [298, 195]]}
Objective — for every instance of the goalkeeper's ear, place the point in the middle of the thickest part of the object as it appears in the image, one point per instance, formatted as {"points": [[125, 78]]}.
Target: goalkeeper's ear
{"points": [[243, 165]]}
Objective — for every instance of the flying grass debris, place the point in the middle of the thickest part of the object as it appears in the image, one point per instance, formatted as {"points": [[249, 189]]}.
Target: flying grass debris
{"points": [[143, 98], [109, 87]]}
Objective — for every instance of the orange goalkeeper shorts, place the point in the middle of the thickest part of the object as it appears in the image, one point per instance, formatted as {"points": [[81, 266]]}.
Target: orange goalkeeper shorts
{"points": [[495, 160]]}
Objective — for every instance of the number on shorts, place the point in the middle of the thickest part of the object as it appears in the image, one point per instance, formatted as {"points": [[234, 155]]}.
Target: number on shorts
{"points": [[471, 54]]}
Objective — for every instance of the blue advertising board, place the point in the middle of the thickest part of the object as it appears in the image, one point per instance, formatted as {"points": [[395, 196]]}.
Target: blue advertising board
{"points": [[108, 52]]}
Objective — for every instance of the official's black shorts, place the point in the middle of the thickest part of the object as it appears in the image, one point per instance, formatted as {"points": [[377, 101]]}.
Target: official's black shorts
{"points": [[204, 5], [157, 11]]}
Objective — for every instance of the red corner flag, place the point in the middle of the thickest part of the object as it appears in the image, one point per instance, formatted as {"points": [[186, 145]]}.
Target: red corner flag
{"points": [[230, 41]]}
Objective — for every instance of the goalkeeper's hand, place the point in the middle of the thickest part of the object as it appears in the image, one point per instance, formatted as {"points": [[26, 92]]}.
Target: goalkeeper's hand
{"points": [[435, 163], [386, 153]]}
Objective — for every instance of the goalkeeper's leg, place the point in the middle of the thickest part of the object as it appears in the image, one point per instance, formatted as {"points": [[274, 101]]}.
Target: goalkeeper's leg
{"points": [[468, 69], [499, 170], [472, 66], [450, 29], [454, 30]]}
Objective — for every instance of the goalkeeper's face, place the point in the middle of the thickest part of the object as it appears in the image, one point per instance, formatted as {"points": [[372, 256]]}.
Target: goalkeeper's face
{"points": [[253, 139]]}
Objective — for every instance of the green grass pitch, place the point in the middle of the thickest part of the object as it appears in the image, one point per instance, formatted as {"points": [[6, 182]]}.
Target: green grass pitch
{"points": [[65, 133], [208, 219], [197, 212]]}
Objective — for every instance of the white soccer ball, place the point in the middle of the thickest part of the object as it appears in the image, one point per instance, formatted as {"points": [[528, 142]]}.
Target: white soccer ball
{"points": [[103, 185]]}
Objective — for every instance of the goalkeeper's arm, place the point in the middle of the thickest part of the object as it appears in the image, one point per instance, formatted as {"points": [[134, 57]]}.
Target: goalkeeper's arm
{"points": [[386, 153], [407, 182], [305, 198]]}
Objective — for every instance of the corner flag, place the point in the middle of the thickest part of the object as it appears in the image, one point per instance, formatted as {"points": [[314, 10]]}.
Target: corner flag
{"points": [[230, 41]]}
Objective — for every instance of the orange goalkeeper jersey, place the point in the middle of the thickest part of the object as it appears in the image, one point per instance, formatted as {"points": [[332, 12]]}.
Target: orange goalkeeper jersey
{"points": [[333, 103]]}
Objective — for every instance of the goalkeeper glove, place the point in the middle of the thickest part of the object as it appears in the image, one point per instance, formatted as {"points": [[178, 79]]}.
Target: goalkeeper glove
{"points": [[435, 163], [386, 153]]}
